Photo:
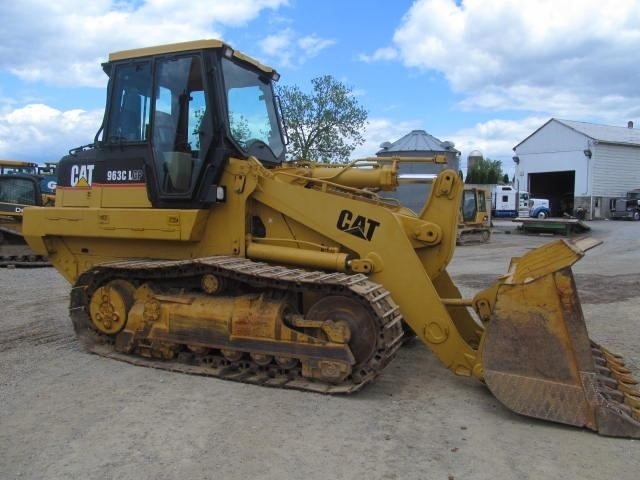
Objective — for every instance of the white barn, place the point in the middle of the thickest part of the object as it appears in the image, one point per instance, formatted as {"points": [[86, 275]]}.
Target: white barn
{"points": [[579, 165]]}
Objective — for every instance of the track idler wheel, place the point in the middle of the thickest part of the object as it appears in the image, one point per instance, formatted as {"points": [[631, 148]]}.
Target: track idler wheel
{"points": [[362, 336], [109, 306], [357, 328]]}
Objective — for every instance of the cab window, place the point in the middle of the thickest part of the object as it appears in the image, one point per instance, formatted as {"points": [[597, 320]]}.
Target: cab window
{"points": [[482, 202], [177, 130], [16, 190], [252, 117], [130, 106]]}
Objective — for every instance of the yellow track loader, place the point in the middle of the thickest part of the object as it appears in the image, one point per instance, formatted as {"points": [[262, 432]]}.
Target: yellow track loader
{"points": [[193, 246], [17, 191], [474, 225]]}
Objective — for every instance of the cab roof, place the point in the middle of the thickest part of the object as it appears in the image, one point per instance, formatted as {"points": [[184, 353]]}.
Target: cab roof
{"points": [[206, 44]]}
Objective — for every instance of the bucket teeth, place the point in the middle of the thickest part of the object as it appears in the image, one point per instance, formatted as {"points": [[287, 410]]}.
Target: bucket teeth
{"points": [[608, 381], [613, 394], [610, 361], [623, 387], [617, 383], [624, 378], [632, 401], [609, 354]]}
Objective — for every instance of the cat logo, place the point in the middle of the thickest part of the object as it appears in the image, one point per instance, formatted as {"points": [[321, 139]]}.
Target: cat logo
{"points": [[358, 226], [81, 175]]}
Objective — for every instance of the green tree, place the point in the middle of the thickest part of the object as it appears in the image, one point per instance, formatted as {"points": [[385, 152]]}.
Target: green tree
{"points": [[239, 127], [485, 171], [324, 126]]}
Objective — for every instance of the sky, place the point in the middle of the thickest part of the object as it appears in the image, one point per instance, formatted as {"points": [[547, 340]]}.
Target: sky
{"points": [[483, 74]]}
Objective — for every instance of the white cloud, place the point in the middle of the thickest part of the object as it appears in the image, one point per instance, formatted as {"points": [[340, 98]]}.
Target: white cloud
{"points": [[278, 46], [569, 58], [380, 130], [312, 45], [62, 42], [381, 54], [40, 133], [290, 51], [495, 139]]}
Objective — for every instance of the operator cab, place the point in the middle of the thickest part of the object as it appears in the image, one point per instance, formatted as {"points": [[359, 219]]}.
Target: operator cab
{"points": [[474, 203], [176, 113], [18, 190]]}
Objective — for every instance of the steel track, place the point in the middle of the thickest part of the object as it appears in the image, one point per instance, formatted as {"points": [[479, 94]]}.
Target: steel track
{"points": [[254, 275]]}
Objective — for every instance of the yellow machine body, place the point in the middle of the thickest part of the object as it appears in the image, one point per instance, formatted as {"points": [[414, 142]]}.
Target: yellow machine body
{"points": [[218, 258]]}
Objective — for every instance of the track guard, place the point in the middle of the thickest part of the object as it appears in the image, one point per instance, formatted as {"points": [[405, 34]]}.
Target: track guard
{"points": [[537, 356]]}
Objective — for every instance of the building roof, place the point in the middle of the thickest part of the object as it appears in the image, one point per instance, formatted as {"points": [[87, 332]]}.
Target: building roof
{"points": [[599, 133], [605, 133], [417, 140]]}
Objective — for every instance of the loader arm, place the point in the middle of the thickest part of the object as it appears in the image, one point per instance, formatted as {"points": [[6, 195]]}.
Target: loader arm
{"points": [[403, 253]]}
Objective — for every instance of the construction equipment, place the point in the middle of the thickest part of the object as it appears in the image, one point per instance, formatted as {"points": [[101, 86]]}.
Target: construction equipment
{"points": [[18, 166], [474, 224], [192, 246], [49, 178], [17, 191]]}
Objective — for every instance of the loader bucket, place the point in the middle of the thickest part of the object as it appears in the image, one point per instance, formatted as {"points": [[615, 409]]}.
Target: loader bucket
{"points": [[537, 356]]}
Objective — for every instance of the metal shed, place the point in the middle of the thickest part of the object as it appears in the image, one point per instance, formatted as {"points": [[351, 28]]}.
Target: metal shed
{"points": [[418, 143]]}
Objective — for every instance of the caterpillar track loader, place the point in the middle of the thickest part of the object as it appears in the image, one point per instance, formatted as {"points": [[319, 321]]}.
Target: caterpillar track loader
{"points": [[192, 246]]}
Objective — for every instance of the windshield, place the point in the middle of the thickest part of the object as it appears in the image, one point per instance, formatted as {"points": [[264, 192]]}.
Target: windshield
{"points": [[253, 121], [17, 190]]}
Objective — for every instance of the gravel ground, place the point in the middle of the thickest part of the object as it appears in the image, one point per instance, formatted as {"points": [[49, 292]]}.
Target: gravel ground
{"points": [[66, 414]]}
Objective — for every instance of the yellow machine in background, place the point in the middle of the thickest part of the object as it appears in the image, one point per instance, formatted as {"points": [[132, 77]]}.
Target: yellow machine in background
{"points": [[192, 246], [474, 223], [17, 191]]}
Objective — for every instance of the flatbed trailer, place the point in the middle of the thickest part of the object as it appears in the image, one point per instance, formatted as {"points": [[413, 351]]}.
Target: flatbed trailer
{"points": [[561, 226]]}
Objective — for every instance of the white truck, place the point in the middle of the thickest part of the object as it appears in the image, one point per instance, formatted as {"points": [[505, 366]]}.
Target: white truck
{"points": [[508, 201], [539, 208]]}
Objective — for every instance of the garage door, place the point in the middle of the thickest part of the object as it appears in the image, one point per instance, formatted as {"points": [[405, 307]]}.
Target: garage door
{"points": [[558, 187]]}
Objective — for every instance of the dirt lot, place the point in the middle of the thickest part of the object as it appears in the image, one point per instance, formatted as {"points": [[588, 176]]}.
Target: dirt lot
{"points": [[66, 414]]}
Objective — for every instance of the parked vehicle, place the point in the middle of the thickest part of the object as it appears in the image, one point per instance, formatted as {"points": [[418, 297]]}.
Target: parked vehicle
{"points": [[626, 207], [508, 201], [539, 208]]}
